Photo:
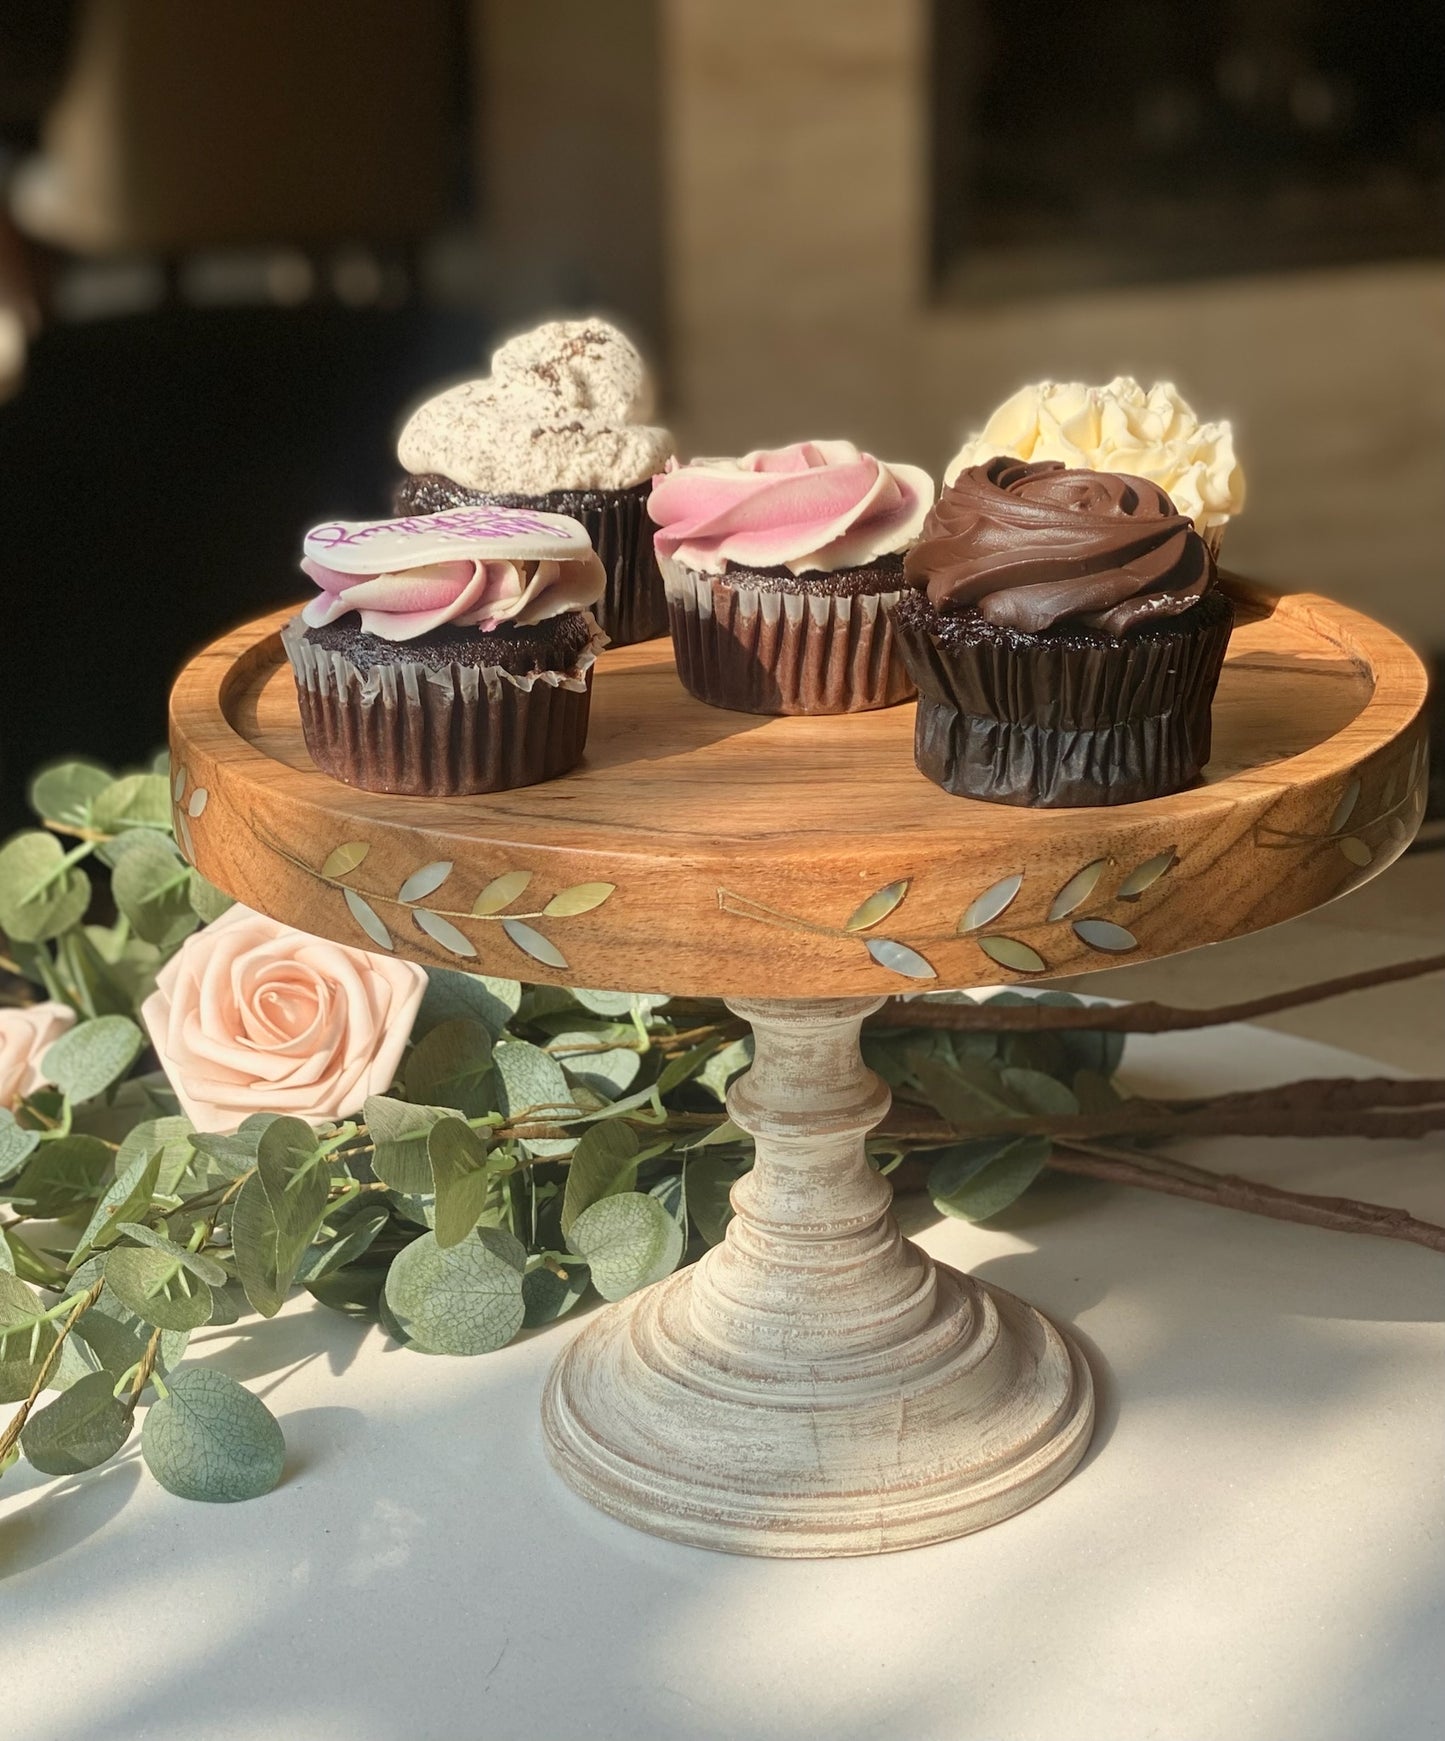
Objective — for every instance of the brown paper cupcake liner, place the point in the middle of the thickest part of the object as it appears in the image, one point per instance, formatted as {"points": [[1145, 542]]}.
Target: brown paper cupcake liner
{"points": [[1057, 724], [633, 607], [439, 733], [753, 651]]}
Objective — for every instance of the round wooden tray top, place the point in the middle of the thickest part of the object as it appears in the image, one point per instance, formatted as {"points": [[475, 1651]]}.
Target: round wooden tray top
{"points": [[709, 853]]}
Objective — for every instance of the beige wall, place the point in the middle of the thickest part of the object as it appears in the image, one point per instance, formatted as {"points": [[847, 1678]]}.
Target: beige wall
{"points": [[799, 305]]}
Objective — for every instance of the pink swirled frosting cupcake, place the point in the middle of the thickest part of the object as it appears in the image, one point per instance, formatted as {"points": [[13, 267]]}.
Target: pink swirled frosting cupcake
{"points": [[447, 653], [779, 568]]}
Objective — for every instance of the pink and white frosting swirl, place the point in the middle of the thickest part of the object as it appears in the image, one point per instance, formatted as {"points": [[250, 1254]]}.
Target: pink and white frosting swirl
{"points": [[817, 505], [511, 567]]}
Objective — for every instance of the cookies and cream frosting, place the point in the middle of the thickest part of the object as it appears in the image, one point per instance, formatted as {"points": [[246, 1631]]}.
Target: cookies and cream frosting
{"points": [[483, 568], [566, 407], [814, 506], [1042, 546], [1120, 427]]}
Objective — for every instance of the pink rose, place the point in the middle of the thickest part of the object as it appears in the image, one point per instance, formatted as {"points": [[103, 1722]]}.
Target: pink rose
{"points": [[819, 505], [25, 1037], [252, 1016]]}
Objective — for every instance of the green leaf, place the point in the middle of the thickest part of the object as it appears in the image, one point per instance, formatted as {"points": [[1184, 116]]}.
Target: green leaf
{"points": [[128, 1197], [603, 1164], [16, 1145], [628, 1242], [974, 1181], [452, 1066], [399, 1132], [463, 1299], [133, 801], [548, 1295], [529, 1078], [458, 1157], [99, 986], [720, 1069], [64, 1174], [151, 886], [84, 1062], [170, 1140], [62, 791], [81, 1429], [354, 1235], [449, 995], [204, 1268], [710, 1179], [22, 1259], [236, 1153], [611, 1072], [39, 895], [207, 901], [210, 1439], [964, 1093], [1039, 1093], [25, 1338], [158, 1287], [278, 1212]]}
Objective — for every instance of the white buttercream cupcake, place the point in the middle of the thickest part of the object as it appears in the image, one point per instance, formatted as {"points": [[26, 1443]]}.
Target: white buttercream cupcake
{"points": [[1120, 427], [560, 425]]}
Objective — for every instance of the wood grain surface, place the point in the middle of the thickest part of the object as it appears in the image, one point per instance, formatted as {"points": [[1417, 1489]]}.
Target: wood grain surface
{"points": [[704, 852]]}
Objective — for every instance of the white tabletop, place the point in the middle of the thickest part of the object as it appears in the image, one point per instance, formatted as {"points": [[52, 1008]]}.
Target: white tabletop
{"points": [[1250, 1552]]}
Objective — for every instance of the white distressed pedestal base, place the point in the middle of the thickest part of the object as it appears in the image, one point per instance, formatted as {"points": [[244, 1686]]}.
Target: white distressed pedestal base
{"points": [[816, 1385]]}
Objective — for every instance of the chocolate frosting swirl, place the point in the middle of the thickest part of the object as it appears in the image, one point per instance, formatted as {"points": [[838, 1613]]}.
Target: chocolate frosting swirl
{"points": [[1033, 547]]}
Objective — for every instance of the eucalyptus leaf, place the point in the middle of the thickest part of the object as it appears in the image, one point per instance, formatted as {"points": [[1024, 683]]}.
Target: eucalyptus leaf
{"points": [[81, 1429], [207, 901], [450, 995], [627, 1242], [354, 1236], [529, 1078], [40, 896], [26, 1338], [133, 801], [452, 1066], [62, 791], [235, 1153], [458, 1157], [603, 1164], [84, 1062], [1039, 1093], [464, 1299], [16, 1144], [966, 1092], [399, 1132], [64, 1174], [549, 1294], [974, 1181], [610, 1072], [723, 1066], [151, 887], [204, 1268], [170, 1140], [128, 1196], [278, 1212], [158, 1287], [211, 1439]]}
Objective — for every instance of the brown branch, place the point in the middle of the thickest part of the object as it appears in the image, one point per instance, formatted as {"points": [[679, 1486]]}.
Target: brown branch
{"points": [[1229, 1191], [1134, 1018]]}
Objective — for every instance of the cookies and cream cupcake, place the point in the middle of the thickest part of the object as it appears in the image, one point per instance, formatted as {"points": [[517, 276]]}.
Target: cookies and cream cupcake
{"points": [[1066, 633], [560, 425], [1119, 427], [447, 653], [779, 568]]}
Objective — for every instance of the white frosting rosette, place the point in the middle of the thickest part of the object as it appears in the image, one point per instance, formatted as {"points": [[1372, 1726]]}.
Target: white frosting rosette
{"points": [[1120, 427]]}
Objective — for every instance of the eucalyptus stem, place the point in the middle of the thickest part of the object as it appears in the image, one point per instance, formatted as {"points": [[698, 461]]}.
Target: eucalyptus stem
{"points": [[12, 1433]]}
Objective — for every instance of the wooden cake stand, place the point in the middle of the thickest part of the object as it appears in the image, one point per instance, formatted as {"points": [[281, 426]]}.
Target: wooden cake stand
{"points": [[815, 1385]]}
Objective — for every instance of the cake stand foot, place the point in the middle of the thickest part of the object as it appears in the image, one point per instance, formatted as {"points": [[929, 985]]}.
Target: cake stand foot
{"points": [[816, 1385]]}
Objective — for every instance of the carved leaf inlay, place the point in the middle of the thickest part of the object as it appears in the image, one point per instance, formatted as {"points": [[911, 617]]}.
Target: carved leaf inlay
{"points": [[580, 898], [1009, 952], [500, 892], [1077, 890], [425, 881], [899, 958], [990, 903], [1143, 876], [533, 943], [345, 858], [442, 931], [877, 907], [1103, 934], [365, 916]]}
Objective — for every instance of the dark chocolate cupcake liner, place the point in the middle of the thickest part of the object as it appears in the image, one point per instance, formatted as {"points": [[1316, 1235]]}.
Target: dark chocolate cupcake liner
{"points": [[425, 732], [1062, 726], [756, 651], [633, 607]]}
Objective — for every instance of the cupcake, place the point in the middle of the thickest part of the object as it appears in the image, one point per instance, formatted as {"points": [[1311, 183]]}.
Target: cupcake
{"points": [[560, 426], [779, 569], [1066, 633], [447, 653], [1120, 428]]}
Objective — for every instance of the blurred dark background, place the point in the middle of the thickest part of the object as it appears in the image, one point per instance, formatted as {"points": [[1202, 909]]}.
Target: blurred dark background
{"points": [[239, 240]]}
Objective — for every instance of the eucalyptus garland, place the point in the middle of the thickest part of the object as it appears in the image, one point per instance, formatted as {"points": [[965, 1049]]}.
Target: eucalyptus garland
{"points": [[536, 1145]]}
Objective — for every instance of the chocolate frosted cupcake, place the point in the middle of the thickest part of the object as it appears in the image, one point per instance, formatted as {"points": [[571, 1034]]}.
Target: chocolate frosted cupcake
{"points": [[1066, 634], [1120, 427], [779, 569], [560, 426], [447, 653]]}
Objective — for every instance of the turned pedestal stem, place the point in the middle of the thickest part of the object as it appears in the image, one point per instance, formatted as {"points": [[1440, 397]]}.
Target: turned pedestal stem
{"points": [[815, 1385]]}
